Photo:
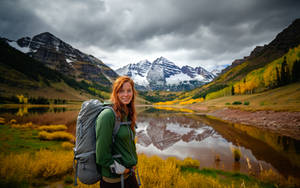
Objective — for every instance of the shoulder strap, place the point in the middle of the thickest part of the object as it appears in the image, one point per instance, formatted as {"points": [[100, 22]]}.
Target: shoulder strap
{"points": [[117, 122]]}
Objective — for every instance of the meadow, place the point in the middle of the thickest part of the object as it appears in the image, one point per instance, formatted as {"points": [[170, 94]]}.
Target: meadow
{"points": [[41, 155]]}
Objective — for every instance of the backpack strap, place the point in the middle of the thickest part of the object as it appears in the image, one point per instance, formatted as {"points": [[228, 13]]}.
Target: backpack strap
{"points": [[117, 122]]}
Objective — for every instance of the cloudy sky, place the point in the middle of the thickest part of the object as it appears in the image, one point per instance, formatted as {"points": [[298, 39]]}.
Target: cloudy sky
{"points": [[207, 33]]}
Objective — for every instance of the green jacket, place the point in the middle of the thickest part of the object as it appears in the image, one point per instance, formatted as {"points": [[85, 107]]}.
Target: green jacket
{"points": [[105, 148]]}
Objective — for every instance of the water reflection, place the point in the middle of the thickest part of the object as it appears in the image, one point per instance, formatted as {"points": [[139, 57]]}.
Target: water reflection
{"points": [[24, 110], [211, 142], [165, 133]]}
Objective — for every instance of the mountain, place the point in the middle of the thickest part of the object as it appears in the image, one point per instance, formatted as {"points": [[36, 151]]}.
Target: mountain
{"points": [[20, 74], [163, 74], [60, 56]]}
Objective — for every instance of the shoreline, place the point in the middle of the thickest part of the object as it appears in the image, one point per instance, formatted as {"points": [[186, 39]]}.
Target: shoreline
{"points": [[285, 123]]}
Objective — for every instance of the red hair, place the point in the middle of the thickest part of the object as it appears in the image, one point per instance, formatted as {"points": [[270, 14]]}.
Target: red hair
{"points": [[121, 109]]}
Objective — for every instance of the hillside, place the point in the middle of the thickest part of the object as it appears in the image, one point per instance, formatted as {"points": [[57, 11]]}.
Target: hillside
{"points": [[62, 57], [267, 67], [22, 75], [285, 98]]}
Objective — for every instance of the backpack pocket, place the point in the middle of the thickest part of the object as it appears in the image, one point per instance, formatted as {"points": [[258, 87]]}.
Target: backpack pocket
{"points": [[87, 169]]}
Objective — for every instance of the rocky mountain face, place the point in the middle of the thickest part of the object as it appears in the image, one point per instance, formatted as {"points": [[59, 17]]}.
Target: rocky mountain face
{"points": [[62, 57], [163, 74]]}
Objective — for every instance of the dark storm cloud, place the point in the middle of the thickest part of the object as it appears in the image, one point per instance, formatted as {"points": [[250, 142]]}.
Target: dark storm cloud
{"points": [[17, 21], [204, 29]]}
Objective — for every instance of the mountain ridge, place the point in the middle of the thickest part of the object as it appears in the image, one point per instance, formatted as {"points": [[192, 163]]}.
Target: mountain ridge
{"points": [[288, 38], [20, 74], [163, 74], [269, 66], [61, 56]]}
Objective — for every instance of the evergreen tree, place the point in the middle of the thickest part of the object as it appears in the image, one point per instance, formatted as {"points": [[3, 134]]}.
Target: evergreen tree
{"points": [[232, 90], [284, 73], [296, 68], [278, 80]]}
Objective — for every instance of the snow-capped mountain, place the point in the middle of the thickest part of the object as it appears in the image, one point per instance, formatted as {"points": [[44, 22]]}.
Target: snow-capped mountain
{"points": [[163, 74], [62, 57], [137, 72]]}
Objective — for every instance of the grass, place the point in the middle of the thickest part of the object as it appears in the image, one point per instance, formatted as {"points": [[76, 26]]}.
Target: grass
{"points": [[58, 135], [19, 140], [52, 128], [25, 161], [227, 178], [286, 98]]}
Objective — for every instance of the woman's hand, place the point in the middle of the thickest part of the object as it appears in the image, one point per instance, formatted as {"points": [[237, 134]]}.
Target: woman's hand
{"points": [[126, 171]]}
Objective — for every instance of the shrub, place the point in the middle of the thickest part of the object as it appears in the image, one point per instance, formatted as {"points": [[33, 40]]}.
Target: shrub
{"points": [[190, 163], [52, 128], [67, 145], [42, 164], [2, 120], [58, 136], [271, 176], [22, 126], [246, 103], [12, 121], [237, 103], [156, 172], [227, 103]]}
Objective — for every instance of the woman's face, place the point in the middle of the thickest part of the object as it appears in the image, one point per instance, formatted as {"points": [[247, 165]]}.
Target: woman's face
{"points": [[125, 93]]}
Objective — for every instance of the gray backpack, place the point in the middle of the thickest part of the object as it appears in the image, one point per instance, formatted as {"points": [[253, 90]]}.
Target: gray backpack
{"points": [[85, 146]]}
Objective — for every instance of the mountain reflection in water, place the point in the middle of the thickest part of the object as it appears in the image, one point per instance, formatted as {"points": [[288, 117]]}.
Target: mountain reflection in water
{"points": [[165, 132], [196, 136]]}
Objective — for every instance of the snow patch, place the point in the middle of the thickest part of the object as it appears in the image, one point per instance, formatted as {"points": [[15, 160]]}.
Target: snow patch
{"points": [[200, 78], [68, 60], [140, 80], [177, 78], [16, 46]]}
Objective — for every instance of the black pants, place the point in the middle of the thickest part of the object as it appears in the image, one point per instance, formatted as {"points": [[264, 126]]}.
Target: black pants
{"points": [[130, 182]]}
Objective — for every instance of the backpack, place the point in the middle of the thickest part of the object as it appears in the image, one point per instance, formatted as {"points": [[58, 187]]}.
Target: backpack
{"points": [[85, 146]]}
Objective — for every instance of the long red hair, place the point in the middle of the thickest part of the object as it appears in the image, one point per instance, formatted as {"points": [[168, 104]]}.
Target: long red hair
{"points": [[121, 109]]}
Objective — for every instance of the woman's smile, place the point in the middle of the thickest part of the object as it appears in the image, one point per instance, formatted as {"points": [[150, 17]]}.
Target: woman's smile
{"points": [[125, 94]]}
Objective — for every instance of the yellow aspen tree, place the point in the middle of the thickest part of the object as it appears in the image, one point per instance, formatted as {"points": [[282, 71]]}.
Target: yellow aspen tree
{"points": [[25, 100], [237, 88], [20, 97]]}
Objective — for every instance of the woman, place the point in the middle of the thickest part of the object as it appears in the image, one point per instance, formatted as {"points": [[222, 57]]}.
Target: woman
{"points": [[117, 159]]}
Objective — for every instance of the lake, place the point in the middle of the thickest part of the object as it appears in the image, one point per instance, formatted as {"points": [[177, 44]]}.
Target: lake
{"points": [[184, 134]]}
